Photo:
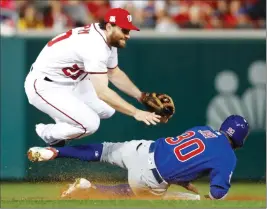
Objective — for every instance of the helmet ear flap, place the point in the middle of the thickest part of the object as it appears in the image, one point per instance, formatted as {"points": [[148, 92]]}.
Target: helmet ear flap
{"points": [[231, 141]]}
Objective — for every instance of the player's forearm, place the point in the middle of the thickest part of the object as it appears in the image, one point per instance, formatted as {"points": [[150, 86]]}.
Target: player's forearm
{"points": [[189, 186], [122, 82], [115, 101]]}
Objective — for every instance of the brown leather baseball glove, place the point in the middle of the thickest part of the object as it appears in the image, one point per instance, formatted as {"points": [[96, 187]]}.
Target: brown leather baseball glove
{"points": [[161, 104]]}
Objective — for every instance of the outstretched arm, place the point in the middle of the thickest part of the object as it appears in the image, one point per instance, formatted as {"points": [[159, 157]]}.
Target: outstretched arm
{"points": [[119, 79], [100, 82]]}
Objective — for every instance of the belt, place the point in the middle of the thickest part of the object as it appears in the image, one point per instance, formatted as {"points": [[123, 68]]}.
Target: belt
{"points": [[45, 78], [155, 170], [48, 79]]}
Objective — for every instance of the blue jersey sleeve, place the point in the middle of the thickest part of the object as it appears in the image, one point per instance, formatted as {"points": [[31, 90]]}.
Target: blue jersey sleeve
{"points": [[220, 183]]}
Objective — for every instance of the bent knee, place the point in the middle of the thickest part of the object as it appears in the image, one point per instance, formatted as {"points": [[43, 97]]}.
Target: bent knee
{"points": [[89, 126], [108, 113], [92, 125]]}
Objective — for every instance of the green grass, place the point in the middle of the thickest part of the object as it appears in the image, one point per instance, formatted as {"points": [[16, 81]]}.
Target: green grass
{"points": [[129, 204], [45, 195]]}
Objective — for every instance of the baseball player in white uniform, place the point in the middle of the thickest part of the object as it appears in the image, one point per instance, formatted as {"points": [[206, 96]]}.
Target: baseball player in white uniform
{"points": [[69, 80]]}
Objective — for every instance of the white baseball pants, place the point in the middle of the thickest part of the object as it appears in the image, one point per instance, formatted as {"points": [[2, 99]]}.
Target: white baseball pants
{"points": [[75, 108]]}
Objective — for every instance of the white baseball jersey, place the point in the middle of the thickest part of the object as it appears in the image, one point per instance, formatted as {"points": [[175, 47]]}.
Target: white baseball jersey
{"points": [[70, 56]]}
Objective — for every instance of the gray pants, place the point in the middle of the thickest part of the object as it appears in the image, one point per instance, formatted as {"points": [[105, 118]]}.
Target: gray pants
{"points": [[139, 162]]}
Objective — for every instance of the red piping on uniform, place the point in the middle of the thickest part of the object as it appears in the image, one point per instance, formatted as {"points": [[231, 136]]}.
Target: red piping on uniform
{"points": [[111, 68], [98, 72], [102, 36], [60, 111]]}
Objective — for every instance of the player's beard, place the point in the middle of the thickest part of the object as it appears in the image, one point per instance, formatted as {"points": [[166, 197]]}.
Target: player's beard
{"points": [[118, 43], [117, 39]]}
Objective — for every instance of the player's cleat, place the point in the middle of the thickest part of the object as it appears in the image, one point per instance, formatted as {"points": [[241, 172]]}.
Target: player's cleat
{"points": [[37, 154], [80, 183]]}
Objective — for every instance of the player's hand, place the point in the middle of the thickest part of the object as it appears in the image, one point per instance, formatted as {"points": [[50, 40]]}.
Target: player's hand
{"points": [[190, 187], [147, 117], [207, 197]]}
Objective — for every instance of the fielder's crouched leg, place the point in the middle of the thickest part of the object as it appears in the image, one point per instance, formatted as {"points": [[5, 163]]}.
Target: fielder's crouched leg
{"points": [[53, 134]]}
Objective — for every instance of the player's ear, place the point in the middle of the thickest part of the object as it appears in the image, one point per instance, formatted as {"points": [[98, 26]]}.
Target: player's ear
{"points": [[109, 28]]}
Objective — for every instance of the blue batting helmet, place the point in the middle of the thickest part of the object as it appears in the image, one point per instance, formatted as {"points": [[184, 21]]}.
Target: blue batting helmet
{"points": [[236, 128]]}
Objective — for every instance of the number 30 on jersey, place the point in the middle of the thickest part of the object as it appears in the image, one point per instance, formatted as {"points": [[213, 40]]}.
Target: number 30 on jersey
{"points": [[181, 144]]}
